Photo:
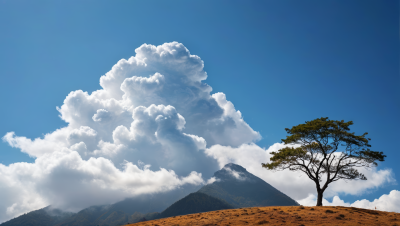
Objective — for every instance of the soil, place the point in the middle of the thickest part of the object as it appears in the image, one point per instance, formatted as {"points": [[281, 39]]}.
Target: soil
{"points": [[283, 215]]}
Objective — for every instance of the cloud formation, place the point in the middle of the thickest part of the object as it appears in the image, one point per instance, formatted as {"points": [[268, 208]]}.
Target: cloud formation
{"points": [[144, 132], [390, 202], [153, 127]]}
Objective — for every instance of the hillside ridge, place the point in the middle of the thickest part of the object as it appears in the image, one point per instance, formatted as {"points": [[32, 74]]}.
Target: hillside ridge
{"points": [[283, 215]]}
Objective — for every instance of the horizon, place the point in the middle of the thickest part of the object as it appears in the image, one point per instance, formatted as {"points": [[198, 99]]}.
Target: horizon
{"points": [[104, 102]]}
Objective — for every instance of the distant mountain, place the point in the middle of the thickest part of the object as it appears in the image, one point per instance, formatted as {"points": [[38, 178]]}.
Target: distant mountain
{"points": [[92, 216], [240, 188], [131, 210], [42, 217], [95, 215], [152, 203], [106, 216], [234, 187], [195, 203]]}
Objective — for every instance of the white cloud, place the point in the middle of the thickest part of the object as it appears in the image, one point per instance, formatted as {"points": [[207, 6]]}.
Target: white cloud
{"points": [[39, 146], [62, 174], [101, 115], [235, 174], [390, 202], [212, 180], [311, 200]]}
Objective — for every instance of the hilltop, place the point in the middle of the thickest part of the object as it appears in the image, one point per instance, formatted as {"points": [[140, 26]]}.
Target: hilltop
{"points": [[283, 215]]}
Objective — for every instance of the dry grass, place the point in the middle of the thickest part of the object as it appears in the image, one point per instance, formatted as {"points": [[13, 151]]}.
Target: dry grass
{"points": [[282, 215]]}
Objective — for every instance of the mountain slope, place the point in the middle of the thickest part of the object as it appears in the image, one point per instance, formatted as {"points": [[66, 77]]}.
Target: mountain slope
{"points": [[130, 210], [195, 203], [42, 217], [88, 216], [234, 188], [242, 189]]}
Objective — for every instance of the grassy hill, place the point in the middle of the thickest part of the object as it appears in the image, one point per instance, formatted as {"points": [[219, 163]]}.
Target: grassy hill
{"points": [[283, 215]]}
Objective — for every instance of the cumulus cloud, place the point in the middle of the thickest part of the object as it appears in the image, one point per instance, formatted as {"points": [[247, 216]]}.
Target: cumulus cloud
{"points": [[153, 109], [101, 115], [390, 202], [64, 173], [311, 200]]}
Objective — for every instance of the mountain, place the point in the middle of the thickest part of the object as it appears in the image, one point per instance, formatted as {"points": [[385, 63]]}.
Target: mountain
{"points": [[238, 187], [234, 188], [42, 217], [146, 207], [106, 216], [195, 203], [94, 215]]}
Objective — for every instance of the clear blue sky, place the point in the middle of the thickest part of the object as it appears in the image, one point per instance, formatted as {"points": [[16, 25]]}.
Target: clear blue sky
{"points": [[280, 63]]}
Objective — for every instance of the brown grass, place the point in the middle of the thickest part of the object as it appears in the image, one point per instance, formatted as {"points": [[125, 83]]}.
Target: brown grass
{"points": [[282, 215]]}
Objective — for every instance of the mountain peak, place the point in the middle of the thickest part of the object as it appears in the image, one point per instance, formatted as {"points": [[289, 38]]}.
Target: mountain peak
{"points": [[240, 188], [234, 167], [232, 171]]}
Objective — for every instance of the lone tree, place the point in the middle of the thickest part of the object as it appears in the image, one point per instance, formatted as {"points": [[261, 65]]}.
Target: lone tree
{"points": [[326, 148]]}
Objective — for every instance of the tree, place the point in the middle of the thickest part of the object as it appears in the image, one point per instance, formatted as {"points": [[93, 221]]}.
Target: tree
{"points": [[325, 147]]}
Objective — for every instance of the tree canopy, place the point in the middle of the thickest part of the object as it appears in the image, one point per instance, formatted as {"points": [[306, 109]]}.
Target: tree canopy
{"points": [[325, 147]]}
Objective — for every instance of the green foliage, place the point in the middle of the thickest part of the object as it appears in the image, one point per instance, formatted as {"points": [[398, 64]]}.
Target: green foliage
{"points": [[325, 147]]}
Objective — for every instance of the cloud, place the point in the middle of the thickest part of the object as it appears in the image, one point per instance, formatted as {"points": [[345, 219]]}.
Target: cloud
{"points": [[101, 115], [295, 184], [153, 109], [61, 174], [235, 174], [311, 200], [212, 180], [390, 202]]}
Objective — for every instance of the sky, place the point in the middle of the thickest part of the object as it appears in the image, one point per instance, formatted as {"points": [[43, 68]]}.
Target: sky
{"points": [[103, 100]]}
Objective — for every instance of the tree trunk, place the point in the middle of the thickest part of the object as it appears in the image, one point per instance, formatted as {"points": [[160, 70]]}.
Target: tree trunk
{"points": [[320, 196]]}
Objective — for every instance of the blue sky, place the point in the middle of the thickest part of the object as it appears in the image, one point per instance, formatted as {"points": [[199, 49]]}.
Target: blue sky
{"points": [[280, 63]]}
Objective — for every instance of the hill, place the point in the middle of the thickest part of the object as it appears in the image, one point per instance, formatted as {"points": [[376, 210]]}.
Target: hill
{"points": [[284, 215], [240, 188]]}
